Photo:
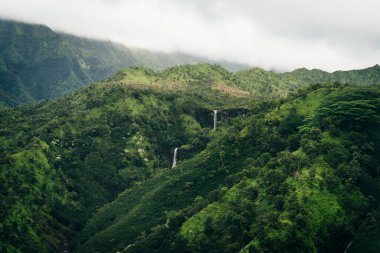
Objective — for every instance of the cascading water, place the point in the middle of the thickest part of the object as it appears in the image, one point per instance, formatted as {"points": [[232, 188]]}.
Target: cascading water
{"points": [[215, 117], [175, 158], [345, 251]]}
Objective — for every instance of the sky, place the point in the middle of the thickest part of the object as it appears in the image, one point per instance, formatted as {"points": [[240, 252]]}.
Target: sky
{"points": [[273, 34]]}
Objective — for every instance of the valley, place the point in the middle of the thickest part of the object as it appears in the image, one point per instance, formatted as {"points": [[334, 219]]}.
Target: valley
{"points": [[106, 148], [293, 168]]}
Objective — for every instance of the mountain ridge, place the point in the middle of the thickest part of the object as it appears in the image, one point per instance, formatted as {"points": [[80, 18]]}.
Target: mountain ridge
{"points": [[38, 63]]}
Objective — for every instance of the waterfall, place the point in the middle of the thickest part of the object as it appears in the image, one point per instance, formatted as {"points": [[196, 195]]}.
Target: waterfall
{"points": [[175, 158], [345, 251], [215, 117]]}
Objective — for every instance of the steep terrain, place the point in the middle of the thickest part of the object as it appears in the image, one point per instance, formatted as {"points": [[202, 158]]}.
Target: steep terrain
{"points": [[90, 172], [61, 160], [367, 239], [37, 63], [297, 179]]}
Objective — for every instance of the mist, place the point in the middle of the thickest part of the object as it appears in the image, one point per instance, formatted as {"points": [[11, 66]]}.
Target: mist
{"points": [[280, 35]]}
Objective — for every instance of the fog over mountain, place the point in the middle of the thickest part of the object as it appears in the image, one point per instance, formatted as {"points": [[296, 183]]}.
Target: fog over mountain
{"points": [[189, 126], [282, 35]]}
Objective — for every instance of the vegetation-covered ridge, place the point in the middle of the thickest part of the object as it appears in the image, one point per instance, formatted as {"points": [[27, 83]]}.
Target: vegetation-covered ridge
{"points": [[297, 179], [61, 160], [198, 78], [272, 84], [254, 83], [37, 63]]}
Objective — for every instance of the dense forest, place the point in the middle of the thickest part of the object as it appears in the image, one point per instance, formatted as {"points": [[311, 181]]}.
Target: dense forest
{"points": [[291, 167]]}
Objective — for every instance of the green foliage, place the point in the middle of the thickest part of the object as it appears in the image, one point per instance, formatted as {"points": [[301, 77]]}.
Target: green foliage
{"points": [[30, 190], [352, 108], [92, 168], [367, 239], [272, 200], [98, 142]]}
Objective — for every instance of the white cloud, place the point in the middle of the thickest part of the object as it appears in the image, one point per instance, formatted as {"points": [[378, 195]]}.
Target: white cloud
{"points": [[281, 34]]}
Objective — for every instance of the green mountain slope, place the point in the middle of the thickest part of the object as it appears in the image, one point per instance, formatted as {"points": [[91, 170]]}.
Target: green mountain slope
{"points": [[255, 83], [37, 63], [90, 172], [61, 160], [299, 179], [367, 239], [368, 76], [271, 84]]}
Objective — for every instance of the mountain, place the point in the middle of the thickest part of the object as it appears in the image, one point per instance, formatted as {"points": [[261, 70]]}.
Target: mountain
{"points": [[268, 83], [368, 76], [61, 160], [37, 63], [255, 83], [91, 171], [301, 178]]}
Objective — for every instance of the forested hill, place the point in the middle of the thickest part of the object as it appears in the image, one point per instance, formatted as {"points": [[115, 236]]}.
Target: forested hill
{"points": [[255, 83], [37, 63], [262, 82], [61, 160], [90, 172], [367, 76], [301, 178]]}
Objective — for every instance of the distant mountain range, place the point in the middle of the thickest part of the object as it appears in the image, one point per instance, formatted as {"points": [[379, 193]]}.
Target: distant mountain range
{"points": [[38, 63]]}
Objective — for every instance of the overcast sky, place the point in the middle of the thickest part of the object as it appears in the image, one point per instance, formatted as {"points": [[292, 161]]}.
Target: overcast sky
{"points": [[273, 34]]}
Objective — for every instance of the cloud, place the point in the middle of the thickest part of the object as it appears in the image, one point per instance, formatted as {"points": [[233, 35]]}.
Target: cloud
{"points": [[279, 34]]}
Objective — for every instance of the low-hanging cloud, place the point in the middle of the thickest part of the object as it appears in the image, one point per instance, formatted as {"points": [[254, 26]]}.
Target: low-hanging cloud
{"points": [[276, 34]]}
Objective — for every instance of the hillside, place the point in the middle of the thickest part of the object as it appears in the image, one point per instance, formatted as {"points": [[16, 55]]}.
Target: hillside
{"points": [[91, 171], [297, 179], [38, 63], [255, 83], [271, 84], [61, 160], [367, 76], [367, 239]]}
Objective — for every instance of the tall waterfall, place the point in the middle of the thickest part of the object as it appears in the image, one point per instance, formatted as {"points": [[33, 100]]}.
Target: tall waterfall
{"points": [[175, 158], [215, 117]]}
